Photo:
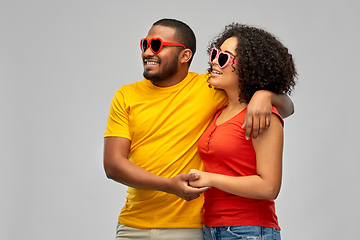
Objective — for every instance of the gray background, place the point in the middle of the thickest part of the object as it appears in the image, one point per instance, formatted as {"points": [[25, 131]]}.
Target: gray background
{"points": [[62, 61]]}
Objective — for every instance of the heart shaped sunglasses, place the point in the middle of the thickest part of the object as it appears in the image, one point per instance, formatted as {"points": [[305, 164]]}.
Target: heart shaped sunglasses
{"points": [[223, 57], [156, 44]]}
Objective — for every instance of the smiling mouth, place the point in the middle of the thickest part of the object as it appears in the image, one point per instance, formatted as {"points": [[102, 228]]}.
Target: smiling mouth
{"points": [[149, 62], [216, 72]]}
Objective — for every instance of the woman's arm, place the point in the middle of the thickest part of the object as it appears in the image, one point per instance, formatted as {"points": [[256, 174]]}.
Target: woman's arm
{"points": [[266, 184]]}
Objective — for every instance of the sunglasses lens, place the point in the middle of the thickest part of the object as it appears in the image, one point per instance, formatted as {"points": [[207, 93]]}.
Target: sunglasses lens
{"points": [[213, 54], [223, 59], [156, 45], [143, 45]]}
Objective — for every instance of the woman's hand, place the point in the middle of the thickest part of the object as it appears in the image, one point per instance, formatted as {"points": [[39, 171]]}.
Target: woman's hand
{"points": [[202, 181]]}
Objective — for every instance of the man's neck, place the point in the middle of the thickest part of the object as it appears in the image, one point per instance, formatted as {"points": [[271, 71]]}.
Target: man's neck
{"points": [[172, 81]]}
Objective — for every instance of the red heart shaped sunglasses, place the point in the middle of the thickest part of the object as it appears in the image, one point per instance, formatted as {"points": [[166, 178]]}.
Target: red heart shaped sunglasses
{"points": [[156, 44]]}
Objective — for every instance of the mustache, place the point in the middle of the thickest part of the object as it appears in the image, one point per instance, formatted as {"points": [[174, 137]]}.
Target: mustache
{"points": [[151, 58]]}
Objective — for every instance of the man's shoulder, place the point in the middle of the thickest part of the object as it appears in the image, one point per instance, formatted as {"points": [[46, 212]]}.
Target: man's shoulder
{"points": [[127, 91], [132, 86], [197, 81], [197, 76]]}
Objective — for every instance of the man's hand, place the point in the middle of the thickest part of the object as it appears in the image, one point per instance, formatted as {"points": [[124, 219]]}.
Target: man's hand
{"points": [[258, 114], [179, 185]]}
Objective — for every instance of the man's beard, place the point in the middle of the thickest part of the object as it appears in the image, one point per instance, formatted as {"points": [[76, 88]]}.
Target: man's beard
{"points": [[169, 70]]}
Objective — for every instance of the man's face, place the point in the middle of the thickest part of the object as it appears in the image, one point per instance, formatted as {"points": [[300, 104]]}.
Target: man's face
{"points": [[164, 65]]}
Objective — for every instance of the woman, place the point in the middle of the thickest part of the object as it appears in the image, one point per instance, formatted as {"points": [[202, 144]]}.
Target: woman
{"points": [[245, 175]]}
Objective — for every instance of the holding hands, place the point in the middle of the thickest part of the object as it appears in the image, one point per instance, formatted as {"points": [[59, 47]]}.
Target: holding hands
{"points": [[180, 186], [202, 181]]}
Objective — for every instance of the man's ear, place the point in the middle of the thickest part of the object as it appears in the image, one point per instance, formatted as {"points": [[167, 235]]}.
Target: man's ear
{"points": [[185, 56]]}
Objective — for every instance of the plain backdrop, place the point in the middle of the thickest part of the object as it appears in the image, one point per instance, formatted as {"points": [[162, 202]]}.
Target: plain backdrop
{"points": [[62, 61]]}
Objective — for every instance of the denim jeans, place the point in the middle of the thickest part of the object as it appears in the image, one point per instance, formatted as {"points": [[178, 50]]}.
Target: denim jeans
{"points": [[241, 232]]}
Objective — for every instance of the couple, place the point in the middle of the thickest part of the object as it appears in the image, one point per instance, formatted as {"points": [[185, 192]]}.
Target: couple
{"points": [[160, 131]]}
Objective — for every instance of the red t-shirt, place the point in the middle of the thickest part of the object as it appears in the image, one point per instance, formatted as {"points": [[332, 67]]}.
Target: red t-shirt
{"points": [[224, 150]]}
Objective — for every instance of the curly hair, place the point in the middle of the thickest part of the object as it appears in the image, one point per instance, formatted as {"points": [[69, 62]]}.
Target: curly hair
{"points": [[184, 34], [264, 63]]}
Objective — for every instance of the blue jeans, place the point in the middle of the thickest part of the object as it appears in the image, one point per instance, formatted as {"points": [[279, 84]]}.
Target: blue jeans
{"points": [[241, 232]]}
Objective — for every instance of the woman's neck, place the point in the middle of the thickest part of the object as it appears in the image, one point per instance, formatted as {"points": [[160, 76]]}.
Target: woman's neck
{"points": [[234, 103]]}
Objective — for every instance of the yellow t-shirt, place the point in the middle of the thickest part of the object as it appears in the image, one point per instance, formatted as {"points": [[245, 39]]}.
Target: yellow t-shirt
{"points": [[164, 125]]}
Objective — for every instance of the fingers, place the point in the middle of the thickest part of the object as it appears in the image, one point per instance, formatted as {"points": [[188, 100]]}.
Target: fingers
{"points": [[193, 193], [180, 186], [194, 190], [203, 189], [190, 176], [248, 124], [264, 123], [268, 121], [190, 192], [255, 124], [189, 198], [259, 125], [194, 175]]}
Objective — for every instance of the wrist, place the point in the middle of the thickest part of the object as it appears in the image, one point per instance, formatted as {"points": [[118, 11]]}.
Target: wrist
{"points": [[166, 185], [264, 94], [267, 96], [211, 179]]}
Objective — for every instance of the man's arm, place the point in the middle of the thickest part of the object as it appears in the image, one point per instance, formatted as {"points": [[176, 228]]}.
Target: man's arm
{"points": [[283, 104], [258, 113], [118, 167]]}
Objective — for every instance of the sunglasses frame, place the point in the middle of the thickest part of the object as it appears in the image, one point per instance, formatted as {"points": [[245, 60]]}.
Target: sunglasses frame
{"points": [[162, 44], [218, 52]]}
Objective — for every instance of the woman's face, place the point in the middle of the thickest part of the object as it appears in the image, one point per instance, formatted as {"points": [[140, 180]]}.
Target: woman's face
{"points": [[226, 78]]}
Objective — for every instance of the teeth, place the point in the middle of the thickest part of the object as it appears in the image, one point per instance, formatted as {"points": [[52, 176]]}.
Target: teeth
{"points": [[151, 62], [216, 72]]}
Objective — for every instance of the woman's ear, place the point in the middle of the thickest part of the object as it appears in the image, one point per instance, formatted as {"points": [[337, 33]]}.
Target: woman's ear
{"points": [[185, 56]]}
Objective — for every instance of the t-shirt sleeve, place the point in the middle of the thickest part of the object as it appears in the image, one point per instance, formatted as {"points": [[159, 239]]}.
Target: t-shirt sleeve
{"points": [[118, 119], [275, 111]]}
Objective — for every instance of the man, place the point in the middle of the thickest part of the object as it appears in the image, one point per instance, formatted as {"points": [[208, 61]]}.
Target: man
{"points": [[152, 132]]}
